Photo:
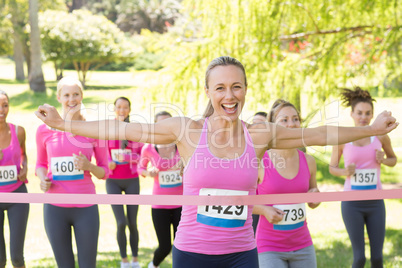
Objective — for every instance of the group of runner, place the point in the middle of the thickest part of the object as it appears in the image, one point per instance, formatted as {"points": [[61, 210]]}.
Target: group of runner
{"points": [[196, 157]]}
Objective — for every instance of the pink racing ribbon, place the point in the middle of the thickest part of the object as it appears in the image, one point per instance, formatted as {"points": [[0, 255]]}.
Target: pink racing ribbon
{"points": [[118, 199]]}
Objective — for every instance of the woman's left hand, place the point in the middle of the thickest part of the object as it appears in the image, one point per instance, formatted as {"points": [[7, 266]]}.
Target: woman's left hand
{"points": [[379, 156], [81, 162]]}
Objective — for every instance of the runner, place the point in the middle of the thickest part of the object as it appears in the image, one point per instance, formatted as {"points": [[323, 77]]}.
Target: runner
{"points": [[63, 166], [13, 177], [123, 177], [221, 157], [166, 182], [283, 239], [363, 159]]}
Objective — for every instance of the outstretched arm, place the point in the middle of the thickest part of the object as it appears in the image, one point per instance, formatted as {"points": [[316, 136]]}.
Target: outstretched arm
{"points": [[164, 132], [285, 138]]}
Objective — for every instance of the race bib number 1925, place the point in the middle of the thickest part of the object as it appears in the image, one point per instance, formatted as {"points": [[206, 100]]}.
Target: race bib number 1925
{"points": [[222, 216]]}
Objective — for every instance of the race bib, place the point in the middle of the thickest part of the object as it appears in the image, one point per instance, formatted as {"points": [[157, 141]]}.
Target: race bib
{"points": [[8, 175], [222, 216], [295, 215], [364, 179], [63, 169], [170, 179], [115, 155]]}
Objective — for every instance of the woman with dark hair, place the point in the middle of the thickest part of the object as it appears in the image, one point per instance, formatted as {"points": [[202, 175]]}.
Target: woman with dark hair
{"points": [[123, 177], [13, 177], [220, 153], [363, 159], [167, 181]]}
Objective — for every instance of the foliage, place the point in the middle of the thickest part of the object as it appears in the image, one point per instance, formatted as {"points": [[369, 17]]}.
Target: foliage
{"points": [[299, 50], [134, 15], [6, 46], [83, 38]]}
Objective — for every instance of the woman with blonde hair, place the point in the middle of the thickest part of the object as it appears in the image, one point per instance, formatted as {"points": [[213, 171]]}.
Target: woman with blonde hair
{"points": [[63, 166], [221, 154]]}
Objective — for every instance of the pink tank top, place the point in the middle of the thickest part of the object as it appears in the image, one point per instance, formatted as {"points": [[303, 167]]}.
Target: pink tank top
{"points": [[218, 229], [292, 234], [367, 176], [167, 182], [10, 164]]}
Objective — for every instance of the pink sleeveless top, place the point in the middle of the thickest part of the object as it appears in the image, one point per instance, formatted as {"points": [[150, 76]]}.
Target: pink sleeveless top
{"points": [[367, 176], [218, 230], [10, 164], [290, 237], [162, 186]]}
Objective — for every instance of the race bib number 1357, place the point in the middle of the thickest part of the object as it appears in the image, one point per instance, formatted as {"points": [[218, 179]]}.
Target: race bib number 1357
{"points": [[222, 216]]}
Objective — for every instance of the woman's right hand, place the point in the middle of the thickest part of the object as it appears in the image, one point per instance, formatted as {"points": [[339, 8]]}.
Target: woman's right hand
{"points": [[350, 169], [49, 115], [273, 215], [112, 165], [45, 184]]}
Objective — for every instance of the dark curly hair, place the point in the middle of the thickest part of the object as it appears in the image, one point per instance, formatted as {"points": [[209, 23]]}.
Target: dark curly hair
{"points": [[351, 97]]}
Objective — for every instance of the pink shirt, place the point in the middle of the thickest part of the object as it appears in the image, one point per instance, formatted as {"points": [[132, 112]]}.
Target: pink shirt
{"points": [[218, 230], [364, 158], [277, 238], [149, 154], [11, 164], [127, 169], [54, 152]]}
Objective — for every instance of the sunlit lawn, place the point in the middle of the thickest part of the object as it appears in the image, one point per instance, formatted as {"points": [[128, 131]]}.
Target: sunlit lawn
{"points": [[325, 223]]}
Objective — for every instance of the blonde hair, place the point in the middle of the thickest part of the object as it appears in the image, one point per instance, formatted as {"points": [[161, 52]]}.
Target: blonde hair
{"points": [[221, 61], [70, 81]]}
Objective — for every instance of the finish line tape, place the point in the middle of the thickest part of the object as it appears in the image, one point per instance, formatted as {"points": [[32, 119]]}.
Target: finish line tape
{"points": [[119, 199]]}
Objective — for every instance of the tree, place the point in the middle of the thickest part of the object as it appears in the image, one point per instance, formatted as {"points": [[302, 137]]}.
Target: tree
{"points": [[66, 40], [36, 80], [298, 50]]}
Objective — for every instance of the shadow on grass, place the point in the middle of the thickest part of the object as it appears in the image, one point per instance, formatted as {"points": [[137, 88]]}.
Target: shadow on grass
{"points": [[28, 100], [108, 260], [336, 254], [12, 81], [96, 87]]}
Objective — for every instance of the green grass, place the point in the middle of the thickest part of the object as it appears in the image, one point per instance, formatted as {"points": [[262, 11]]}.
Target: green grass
{"points": [[325, 223]]}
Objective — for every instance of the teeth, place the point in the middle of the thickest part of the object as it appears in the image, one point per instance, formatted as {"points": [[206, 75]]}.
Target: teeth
{"points": [[229, 106]]}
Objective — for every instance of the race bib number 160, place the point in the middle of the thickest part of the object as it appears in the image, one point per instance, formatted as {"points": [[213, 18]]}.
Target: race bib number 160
{"points": [[63, 169], [222, 216]]}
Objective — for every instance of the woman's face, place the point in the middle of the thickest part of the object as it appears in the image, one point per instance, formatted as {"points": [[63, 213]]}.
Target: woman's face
{"points": [[4, 107], [288, 117], [122, 109], [161, 117], [227, 91], [70, 97], [362, 114]]}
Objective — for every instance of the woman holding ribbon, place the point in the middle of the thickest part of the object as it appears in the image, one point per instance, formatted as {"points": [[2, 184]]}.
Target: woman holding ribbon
{"points": [[63, 166], [221, 155], [283, 238], [123, 177], [13, 177], [167, 181], [363, 159]]}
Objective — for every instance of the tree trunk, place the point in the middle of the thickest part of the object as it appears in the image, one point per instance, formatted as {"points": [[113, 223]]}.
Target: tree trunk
{"points": [[77, 4], [36, 80], [18, 42], [18, 55]]}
